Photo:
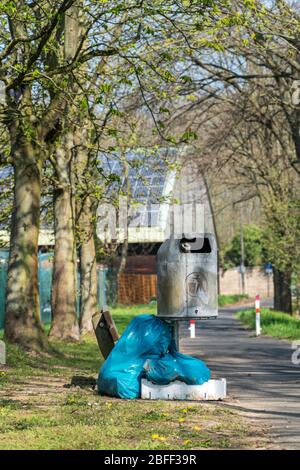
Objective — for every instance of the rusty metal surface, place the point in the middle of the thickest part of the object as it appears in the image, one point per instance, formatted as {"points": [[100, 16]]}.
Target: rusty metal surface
{"points": [[187, 279]]}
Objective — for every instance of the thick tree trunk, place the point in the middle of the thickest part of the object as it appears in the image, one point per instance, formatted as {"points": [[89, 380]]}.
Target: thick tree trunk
{"points": [[22, 318], [63, 297], [88, 267], [85, 235], [282, 291]]}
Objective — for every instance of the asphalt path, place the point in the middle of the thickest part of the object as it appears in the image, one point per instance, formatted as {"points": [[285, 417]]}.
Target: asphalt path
{"points": [[262, 381]]}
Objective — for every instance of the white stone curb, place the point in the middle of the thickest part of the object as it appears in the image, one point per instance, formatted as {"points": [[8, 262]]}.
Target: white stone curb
{"points": [[211, 390]]}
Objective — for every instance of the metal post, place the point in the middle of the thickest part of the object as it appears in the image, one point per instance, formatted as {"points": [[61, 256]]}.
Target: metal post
{"points": [[242, 267], [192, 329], [257, 315], [176, 336]]}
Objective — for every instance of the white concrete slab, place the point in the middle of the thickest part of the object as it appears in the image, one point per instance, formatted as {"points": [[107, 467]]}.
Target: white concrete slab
{"points": [[211, 390]]}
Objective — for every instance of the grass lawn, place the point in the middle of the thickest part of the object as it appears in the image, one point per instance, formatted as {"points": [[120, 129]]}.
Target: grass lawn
{"points": [[49, 402], [277, 324], [230, 299]]}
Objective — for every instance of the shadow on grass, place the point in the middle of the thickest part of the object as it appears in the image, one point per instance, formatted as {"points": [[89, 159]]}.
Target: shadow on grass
{"points": [[82, 382], [66, 358]]}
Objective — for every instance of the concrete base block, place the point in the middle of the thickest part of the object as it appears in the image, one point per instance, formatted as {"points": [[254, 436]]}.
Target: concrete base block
{"points": [[2, 353], [211, 390]]}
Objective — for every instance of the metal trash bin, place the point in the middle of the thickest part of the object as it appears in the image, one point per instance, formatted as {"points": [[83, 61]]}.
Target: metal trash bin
{"points": [[187, 278]]}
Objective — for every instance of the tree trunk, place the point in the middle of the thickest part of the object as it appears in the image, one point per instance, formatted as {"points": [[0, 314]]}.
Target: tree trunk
{"points": [[22, 318], [88, 267], [85, 223], [63, 297], [282, 291], [124, 247], [122, 265]]}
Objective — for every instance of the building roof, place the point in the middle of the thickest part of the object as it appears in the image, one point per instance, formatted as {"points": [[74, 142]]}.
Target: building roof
{"points": [[158, 179]]}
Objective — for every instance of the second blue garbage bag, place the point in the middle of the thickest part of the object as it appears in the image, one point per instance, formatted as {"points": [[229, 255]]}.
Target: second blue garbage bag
{"points": [[176, 366], [146, 349]]}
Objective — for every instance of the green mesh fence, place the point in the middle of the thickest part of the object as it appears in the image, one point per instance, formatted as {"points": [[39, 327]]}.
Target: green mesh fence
{"points": [[45, 281]]}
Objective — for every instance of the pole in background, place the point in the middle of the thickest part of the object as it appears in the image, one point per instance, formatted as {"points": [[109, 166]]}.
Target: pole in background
{"points": [[257, 315], [192, 329], [242, 262]]}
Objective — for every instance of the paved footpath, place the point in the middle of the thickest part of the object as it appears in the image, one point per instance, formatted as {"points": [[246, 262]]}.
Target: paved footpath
{"points": [[262, 381]]}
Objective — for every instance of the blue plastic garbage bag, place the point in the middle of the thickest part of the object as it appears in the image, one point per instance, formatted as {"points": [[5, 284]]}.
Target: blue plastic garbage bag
{"points": [[146, 349], [176, 366], [146, 337]]}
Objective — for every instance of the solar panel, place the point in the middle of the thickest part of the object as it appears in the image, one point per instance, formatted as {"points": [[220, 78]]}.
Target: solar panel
{"points": [[147, 174]]}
